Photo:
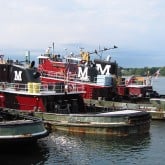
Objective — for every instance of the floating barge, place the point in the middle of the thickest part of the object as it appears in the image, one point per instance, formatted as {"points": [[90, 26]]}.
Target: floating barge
{"points": [[118, 123], [18, 128], [159, 112], [156, 106]]}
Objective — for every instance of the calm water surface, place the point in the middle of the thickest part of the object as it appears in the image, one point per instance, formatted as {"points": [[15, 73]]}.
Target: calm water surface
{"points": [[159, 84], [66, 149], [62, 148]]}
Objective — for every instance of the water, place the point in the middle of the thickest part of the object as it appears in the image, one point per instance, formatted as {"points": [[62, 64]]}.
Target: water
{"points": [[67, 149], [158, 84]]}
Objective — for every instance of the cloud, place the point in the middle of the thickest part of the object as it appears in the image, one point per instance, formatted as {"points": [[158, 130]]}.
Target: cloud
{"points": [[129, 24]]}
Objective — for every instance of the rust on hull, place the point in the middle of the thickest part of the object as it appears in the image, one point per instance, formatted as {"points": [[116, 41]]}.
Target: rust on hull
{"points": [[159, 112], [121, 130], [157, 115], [120, 123]]}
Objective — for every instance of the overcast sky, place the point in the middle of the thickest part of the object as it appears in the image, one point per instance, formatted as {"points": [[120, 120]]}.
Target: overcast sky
{"points": [[135, 26]]}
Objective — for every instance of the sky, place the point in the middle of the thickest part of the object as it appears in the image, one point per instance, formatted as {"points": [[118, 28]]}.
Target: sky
{"points": [[136, 27]]}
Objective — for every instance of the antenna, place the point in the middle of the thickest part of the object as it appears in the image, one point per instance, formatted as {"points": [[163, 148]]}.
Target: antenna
{"points": [[53, 48], [102, 50]]}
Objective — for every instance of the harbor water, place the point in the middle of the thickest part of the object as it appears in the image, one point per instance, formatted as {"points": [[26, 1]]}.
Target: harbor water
{"points": [[73, 149]]}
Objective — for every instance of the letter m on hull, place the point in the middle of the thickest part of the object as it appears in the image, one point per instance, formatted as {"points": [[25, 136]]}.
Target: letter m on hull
{"points": [[17, 75], [104, 71], [83, 74]]}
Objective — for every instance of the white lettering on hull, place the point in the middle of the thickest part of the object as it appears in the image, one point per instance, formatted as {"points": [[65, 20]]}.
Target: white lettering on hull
{"points": [[83, 74], [105, 71], [18, 75]]}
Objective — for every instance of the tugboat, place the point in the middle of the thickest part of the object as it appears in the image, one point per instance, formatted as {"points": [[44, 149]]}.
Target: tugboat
{"points": [[101, 78], [62, 107]]}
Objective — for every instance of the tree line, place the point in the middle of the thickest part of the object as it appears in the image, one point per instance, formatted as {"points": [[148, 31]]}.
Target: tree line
{"points": [[143, 71]]}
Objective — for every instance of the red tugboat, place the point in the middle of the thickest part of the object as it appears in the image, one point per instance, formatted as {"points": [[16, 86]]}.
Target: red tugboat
{"points": [[63, 108], [137, 88], [101, 78], [20, 89], [96, 77]]}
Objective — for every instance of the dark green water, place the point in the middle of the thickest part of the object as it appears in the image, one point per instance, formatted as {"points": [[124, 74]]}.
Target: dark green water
{"points": [[61, 148]]}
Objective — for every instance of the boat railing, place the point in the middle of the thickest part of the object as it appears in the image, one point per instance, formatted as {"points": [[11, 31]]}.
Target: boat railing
{"points": [[33, 87], [74, 77], [142, 81], [52, 74], [59, 75]]}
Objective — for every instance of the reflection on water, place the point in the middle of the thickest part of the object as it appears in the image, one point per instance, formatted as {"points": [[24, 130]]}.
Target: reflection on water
{"points": [[27, 154], [82, 149], [74, 149]]}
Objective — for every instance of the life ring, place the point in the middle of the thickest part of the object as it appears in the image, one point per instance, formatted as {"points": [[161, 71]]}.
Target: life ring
{"points": [[3, 86], [127, 82], [68, 88], [16, 87]]}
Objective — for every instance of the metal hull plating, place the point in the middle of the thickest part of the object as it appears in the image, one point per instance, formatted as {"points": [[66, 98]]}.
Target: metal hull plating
{"points": [[159, 111], [15, 127], [119, 123]]}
